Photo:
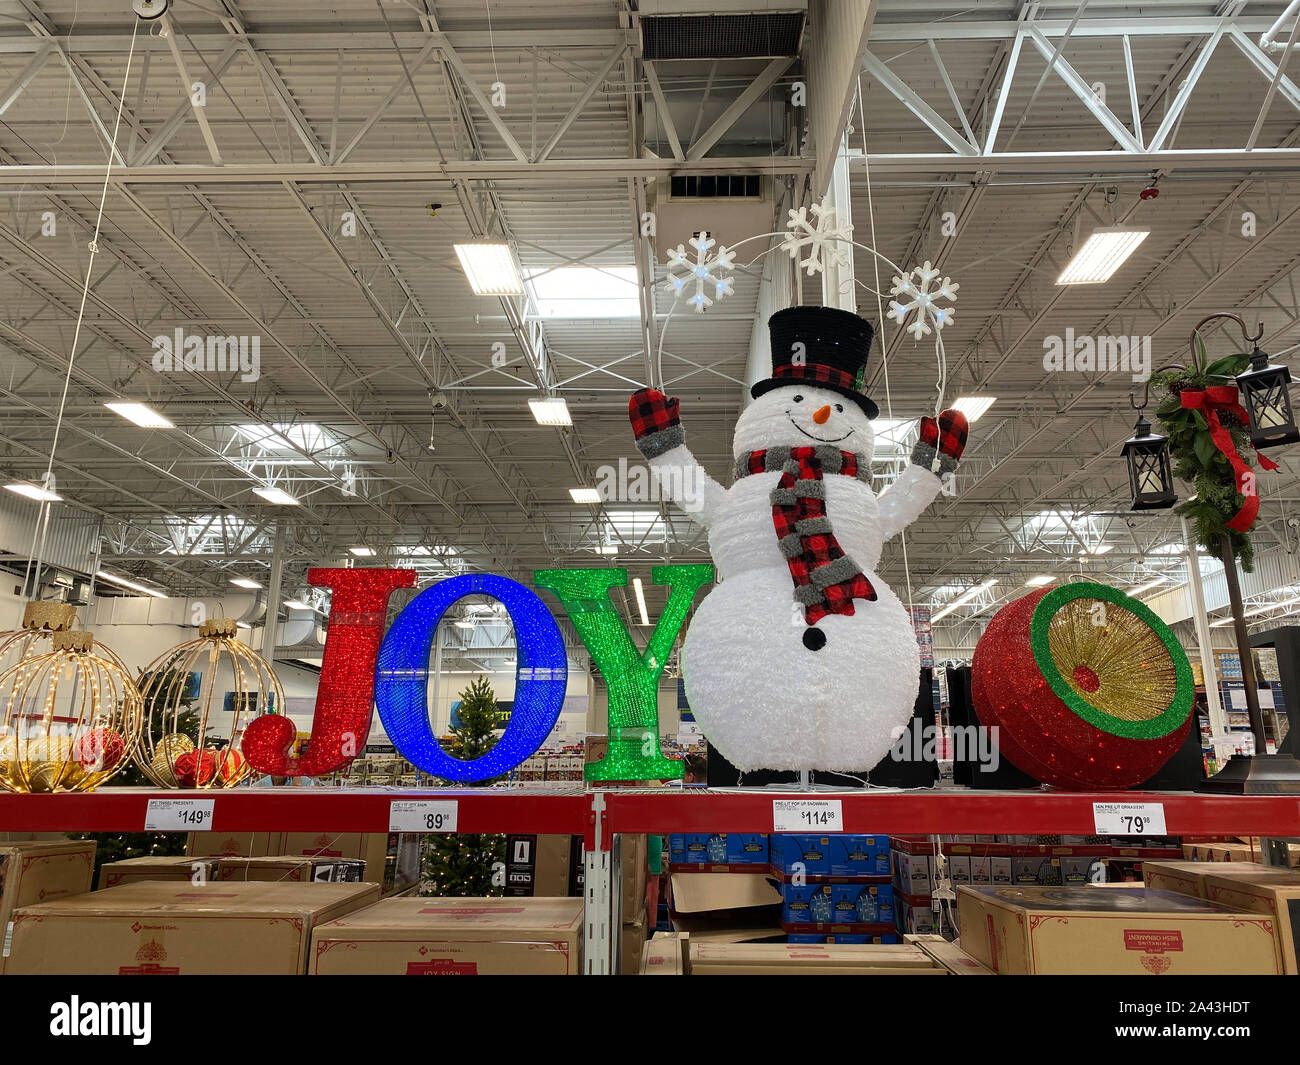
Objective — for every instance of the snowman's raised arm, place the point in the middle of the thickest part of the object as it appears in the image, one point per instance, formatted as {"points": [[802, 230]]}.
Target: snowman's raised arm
{"points": [[934, 458], [662, 440]]}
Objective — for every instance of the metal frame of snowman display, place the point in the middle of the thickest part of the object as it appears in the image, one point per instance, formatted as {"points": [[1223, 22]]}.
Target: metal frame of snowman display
{"points": [[770, 691]]}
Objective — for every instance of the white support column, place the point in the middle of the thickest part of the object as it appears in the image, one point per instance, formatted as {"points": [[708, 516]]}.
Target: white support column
{"points": [[838, 286], [271, 627], [598, 898], [1218, 720]]}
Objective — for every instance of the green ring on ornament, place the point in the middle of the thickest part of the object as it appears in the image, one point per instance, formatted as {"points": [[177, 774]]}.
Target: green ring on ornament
{"points": [[1152, 728]]}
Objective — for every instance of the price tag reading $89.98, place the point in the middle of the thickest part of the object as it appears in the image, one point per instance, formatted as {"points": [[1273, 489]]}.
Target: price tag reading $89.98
{"points": [[422, 815], [190, 815]]}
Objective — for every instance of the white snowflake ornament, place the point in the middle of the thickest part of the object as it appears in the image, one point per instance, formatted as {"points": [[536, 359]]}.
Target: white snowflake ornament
{"points": [[922, 299], [827, 243], [703, 271]]}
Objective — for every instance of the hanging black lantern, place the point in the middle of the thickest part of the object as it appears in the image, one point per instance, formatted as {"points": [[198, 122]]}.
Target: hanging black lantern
{"points": [[1267, 400], [1151, 481]]}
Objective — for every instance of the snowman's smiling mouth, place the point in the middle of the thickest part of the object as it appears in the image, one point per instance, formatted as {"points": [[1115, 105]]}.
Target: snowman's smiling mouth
{"points": [[819, 439]]}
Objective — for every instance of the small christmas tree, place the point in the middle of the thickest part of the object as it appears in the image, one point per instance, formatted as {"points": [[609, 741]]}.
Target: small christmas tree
{"points": [[116, 846], [468, 865]]}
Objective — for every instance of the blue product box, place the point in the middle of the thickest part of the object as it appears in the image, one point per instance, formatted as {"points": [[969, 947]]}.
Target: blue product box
{"points": [[746, 848], [695, 850], [862, 903], [799, 937], [677, 848], [807, 903], [812, 851], [715, 848], [858, 855]]}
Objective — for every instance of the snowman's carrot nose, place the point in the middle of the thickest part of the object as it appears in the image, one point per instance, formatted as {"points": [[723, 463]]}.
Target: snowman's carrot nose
{"points": [[820, 416]]}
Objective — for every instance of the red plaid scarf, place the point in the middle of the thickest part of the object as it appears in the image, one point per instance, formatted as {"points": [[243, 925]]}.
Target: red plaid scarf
{"points": [[826, 580]]}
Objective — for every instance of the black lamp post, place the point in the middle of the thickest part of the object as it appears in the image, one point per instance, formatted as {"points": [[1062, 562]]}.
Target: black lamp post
{"points": [[1150, 479], [1267, 400]]}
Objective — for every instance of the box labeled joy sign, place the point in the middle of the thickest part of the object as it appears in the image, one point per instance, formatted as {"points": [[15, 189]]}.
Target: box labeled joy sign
{"points": [[364, 667]]}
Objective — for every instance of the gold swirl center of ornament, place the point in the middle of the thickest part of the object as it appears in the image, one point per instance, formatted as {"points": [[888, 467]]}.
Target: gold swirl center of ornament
{"points": [[1112, 659]]}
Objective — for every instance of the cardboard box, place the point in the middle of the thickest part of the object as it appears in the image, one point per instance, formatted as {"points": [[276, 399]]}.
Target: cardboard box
{"points": [[632, 943], [632, 862], [453, 937], [808, 903], [725, 901], [1084, 931], [1188, 877], [283, 869], [915, 919], [915, 872], [392, 860], [665, 954], [950, 956], [165, 929], [182, 867], [801, 854], [43, 871], [795, 959], [1275, 892], [747, 848], [233, 844]]}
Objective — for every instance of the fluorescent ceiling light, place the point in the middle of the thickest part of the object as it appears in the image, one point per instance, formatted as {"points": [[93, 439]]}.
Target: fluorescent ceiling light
{"points": [[1256, 611], [145, 417], [490, 269], [104, 575], [242, 625], [463, 624], [964, 598], [585, 495], [277, 496], [640, 600], [586, 292], [1104, 252], [244, 582], [1148, 586], [362, 552], [974, 407], [553, 410], [1038, 582], [35, 491], [607, 549], [298, 604], [1100, 549]]}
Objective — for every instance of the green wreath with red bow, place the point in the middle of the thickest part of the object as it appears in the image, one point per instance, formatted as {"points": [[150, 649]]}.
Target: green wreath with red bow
{"points": [[1210, 448]]}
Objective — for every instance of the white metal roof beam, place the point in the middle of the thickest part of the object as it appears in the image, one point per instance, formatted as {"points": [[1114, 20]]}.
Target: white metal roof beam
{"points": [[742, 103], [579, 105], [905, 95]]}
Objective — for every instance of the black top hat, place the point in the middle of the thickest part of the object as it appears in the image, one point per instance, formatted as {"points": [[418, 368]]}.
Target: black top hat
{"points": [[832, 355]]}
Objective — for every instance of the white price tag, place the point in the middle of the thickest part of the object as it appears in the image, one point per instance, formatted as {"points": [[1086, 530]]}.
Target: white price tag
{"points": [[168, 815], [807, 815], [1129, 818], [422, 815]]}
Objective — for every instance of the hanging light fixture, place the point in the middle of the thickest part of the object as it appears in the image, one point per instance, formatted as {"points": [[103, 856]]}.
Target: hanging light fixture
{"points": [[1150, 479], [1267, 400]]}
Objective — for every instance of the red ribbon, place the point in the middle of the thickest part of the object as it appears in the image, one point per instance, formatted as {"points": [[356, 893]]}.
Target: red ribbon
{"points": [[1212, 400]]}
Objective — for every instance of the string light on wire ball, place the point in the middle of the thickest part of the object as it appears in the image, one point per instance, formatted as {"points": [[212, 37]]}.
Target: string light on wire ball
{"points": [[40, 622], [177, 754], [1087, 687], [71, 717]]}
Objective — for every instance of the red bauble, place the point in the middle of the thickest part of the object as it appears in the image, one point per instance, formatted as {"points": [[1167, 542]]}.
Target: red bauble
{"points": [[99, 750], [196, 769], [1083, 743]]}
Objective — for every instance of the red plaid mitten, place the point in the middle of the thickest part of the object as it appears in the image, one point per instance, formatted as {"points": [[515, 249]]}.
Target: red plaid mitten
{"points": [[941, 442], [655, 422]]}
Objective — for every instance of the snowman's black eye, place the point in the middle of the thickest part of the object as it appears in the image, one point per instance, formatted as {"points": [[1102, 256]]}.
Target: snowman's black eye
{"points": [[839, 407], [798, 399]]}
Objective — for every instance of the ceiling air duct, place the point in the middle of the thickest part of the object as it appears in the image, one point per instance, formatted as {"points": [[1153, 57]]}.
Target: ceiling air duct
{"points": [[690, 29]]}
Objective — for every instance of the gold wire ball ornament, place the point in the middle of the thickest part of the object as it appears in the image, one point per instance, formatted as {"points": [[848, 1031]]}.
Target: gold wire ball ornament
{"points": [[176, 752], [71, 717], [32, 638]]}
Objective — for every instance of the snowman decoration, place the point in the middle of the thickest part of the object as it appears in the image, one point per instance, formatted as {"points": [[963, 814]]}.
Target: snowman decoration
{"points": [[801, 657]]}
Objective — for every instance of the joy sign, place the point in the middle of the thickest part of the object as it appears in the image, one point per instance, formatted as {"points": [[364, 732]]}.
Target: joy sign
{"points": [[364, 667]]}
